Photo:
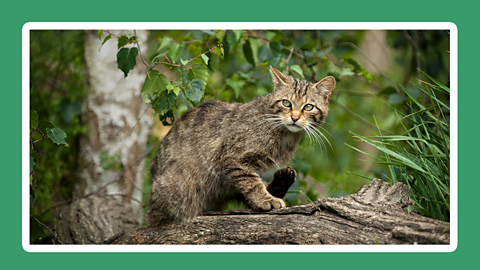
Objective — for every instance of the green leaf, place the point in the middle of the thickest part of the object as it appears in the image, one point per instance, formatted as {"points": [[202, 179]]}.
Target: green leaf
{"points": [[164, 118], [219, 51], [185, 100], [347, 72], [264, 53], [357, 68], [165, 43], [205, 58], [414, 92], [365, 74], [163, 102], [220, 34], [124, 40], [310, 45], [174, 51], [323, 53], [396, 98], [43, 125], [154, 81], [126, 59], [387, 91], [199, 72], [194, 90], [105, 40], [57, 136], [184, 62], [33, 120], [235, 84], [233, 41], [238, 34], [297, 69], [276, 49], [176, 90], [184, 75], [121, 42], [99, 33], [155, 60], [247, 50]]}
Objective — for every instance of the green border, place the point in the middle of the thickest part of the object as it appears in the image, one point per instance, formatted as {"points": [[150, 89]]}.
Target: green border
{"points": [[18, 13]]}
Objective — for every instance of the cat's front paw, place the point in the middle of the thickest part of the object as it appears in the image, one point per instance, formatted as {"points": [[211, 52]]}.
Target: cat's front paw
{"points": [[285, 177], [271, 203], [281, 182]]}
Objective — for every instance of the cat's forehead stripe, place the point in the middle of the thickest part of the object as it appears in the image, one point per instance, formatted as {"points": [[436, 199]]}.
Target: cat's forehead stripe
{"points": [[300, 87]]}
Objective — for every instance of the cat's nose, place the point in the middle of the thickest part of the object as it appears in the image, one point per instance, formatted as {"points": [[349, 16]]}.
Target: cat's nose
{"points": [[295, 118]]}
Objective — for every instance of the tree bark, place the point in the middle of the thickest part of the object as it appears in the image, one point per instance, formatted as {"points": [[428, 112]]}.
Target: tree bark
{"points": [[377, 214], [108, 198]]}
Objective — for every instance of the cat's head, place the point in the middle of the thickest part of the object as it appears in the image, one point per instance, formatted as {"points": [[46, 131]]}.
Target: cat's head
{"points": [[300, 105]]}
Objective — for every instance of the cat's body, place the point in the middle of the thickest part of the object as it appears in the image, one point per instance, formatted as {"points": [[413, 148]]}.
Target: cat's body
{"points": [[219, 150]]}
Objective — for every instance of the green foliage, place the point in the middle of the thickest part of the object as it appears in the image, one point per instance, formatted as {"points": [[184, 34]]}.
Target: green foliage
{"points": [[126, 59], [57, 90], [420, 156], [57, 136], [155, 81]]}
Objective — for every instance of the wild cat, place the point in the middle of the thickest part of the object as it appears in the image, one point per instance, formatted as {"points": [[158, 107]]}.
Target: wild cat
{"points": [[218, 150]]}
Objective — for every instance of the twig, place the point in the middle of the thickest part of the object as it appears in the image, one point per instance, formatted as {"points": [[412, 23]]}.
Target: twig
{"points": [[182, 65], [43, 136], [126, 196], [138, 121], [140, 50], [54, 234]]}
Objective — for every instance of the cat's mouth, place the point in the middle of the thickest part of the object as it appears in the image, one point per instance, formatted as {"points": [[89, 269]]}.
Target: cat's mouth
{"points": [[293, 127]]}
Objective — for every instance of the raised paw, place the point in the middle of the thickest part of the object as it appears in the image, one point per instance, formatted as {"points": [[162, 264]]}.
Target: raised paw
{"points": [[281, 182]]}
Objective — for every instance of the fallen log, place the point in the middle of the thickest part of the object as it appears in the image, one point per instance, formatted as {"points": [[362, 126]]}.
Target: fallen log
{"points": [[377, 214]]}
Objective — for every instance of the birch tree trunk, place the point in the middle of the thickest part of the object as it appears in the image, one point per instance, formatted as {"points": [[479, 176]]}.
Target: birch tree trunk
{"points": [[113, 112]]}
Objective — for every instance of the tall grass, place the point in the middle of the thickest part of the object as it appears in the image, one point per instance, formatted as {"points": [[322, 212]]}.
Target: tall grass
{"points": [[420, 156]]}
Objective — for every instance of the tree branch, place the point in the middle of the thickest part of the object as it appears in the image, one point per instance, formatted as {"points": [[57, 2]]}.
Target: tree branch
{"points": [[377, 214]]}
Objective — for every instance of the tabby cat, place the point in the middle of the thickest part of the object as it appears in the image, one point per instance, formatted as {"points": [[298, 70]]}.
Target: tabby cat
{"points": [[220, 150]]}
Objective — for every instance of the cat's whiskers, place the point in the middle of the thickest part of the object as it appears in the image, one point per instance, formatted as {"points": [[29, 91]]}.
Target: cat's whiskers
{"points": [[309, 136], [274, 118], [316, 137], [317, 132]]}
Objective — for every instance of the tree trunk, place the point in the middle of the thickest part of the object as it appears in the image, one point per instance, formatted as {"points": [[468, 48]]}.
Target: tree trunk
{"points": [[109, 191], [377, 214]]}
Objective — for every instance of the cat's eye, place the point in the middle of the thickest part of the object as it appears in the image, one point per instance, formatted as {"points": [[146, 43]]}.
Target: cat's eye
{"points": [[286, 103], [308, 107]]}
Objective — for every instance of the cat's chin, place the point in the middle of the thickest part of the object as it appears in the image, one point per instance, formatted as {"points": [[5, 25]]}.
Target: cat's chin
{"points": [[293, 127]]}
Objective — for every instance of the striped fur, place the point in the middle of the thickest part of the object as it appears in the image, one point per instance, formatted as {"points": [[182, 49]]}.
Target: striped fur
{"points": [[218, 151]]}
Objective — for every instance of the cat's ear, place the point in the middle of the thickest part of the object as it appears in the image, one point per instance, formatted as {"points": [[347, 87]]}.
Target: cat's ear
{"points": [[325, 86], [279, 78]]}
